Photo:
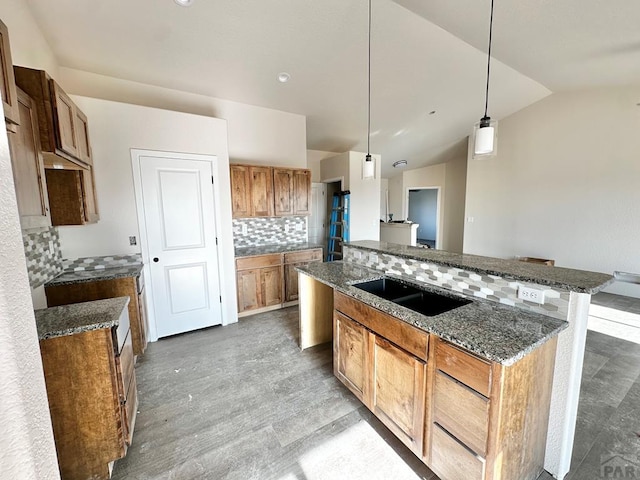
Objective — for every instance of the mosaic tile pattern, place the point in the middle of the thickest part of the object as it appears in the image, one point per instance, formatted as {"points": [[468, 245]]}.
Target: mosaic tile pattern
{"points": [[269, 231], [490, 287], [44, 259], [100, 263]]}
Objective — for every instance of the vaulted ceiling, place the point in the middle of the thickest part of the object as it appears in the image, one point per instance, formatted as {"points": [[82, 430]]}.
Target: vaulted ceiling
{"points": [[426, 56]]}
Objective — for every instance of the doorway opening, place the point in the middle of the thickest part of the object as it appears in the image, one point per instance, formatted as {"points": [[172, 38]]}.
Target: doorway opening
{"points": [[424, 209], [332, 187]]}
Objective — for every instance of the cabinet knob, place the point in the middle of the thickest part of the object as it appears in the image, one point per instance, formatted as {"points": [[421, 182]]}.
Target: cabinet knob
{"points": [[156, 259]]}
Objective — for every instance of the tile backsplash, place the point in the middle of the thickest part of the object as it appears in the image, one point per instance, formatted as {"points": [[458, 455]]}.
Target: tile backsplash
{"points": [[254, 232], [100, 263], [490, 287], [44, 258]]}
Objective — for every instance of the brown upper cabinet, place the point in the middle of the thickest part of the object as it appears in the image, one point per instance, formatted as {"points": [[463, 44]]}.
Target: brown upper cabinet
{"points": [[28, 167], [258, 191], [63, 126], [72, 196], [7, 82]]}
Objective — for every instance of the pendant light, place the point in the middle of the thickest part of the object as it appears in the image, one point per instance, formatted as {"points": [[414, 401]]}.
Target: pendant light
{"points": [[485, 129], [368, 169]]}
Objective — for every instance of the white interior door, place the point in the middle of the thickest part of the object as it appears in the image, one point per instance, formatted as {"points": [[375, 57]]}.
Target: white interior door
{"points": [[178, 200], [318, 213]]}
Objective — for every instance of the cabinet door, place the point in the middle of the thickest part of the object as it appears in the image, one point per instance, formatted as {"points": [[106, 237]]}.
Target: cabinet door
{"points": [[249, 291], [7, 80], [291, 282], [398, 395], [261, 191], [65, 120], [240, 191], [65, 197], [283, 191], [302, 192], [82, 137], [271, 286], [28, 167], [350, 356], [90, 202], [144, 321]]}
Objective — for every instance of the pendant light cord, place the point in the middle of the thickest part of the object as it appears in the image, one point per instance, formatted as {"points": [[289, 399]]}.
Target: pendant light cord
{"points": [[486, 95], [369, 87]]}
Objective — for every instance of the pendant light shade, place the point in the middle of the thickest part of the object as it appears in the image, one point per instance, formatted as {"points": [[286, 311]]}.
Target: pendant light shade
{"points": [[369, 164], [484, 142]]}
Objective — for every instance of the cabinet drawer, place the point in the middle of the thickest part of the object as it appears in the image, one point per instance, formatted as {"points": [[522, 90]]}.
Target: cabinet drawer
{"points": [[451, 460], [125, 365], [303, 256], [462, 412], [259, 261], [465, 367], [130, 410]]}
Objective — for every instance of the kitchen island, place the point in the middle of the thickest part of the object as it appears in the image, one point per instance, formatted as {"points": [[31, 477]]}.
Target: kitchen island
{"points": [[496, 327]]}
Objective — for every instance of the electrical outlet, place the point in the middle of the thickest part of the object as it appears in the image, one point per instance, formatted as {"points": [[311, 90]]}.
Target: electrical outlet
{"points": [[286, 228], [298, 227], [531, 294], [51, 247], [245, 230], [133, 240]]}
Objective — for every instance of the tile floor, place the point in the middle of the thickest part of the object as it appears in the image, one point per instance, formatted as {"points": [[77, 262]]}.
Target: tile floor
{"points": [[242, 402]]}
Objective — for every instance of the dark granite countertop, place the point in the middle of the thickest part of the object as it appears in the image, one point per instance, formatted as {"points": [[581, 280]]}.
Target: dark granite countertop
{"points": [[84, 276], [267, 249], [564, 278], [79, 317], [496, 332]]}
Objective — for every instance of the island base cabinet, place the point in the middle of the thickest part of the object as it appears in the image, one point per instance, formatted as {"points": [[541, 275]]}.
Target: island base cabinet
{"points": [[466, 417]]}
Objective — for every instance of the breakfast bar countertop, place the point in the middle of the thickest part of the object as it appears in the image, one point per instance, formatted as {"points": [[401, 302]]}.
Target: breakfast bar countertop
{"points": [[491, 330], [269, 249], [558, 277], [84, 276], [79, 317]]}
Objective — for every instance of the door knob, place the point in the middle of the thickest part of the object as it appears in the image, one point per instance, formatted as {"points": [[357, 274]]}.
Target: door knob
{"points": [[156, 259]]}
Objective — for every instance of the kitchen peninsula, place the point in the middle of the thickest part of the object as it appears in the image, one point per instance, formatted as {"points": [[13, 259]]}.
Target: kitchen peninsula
{"points": [[493, 361]]}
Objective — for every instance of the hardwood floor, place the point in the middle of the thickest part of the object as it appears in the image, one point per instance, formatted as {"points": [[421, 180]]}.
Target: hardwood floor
{"points": [[242, 402]]}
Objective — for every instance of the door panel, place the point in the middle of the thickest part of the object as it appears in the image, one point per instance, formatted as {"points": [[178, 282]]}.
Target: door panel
{"points": [[180, 228]]}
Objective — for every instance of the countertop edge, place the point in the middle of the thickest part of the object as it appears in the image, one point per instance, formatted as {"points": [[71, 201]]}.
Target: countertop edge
{"points": [[506, 361]]}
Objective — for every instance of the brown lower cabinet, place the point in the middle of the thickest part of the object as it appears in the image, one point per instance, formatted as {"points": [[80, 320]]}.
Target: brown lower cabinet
{"points": [[102, 289], [465, 417], [268, 282], [93, 400]]}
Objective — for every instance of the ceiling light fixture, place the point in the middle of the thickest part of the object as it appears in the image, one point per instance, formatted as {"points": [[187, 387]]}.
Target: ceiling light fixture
{"points": [[400, 164], [485, 130], [284, 77], [369, 167], [184, 3]]}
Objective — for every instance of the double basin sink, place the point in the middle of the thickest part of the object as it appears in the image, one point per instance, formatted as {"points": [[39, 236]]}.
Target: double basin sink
{"points": [[411, 297]]}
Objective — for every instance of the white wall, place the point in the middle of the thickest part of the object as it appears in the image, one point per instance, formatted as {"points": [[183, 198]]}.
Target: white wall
{"points": [[565, 184], [115, 128], [314, 159], [384, 190], [26, 445], [29, 47], [256, 135]]}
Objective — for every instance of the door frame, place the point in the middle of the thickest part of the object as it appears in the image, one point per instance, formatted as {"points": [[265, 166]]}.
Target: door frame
{"points": [[227, 299], [439, 225]]}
